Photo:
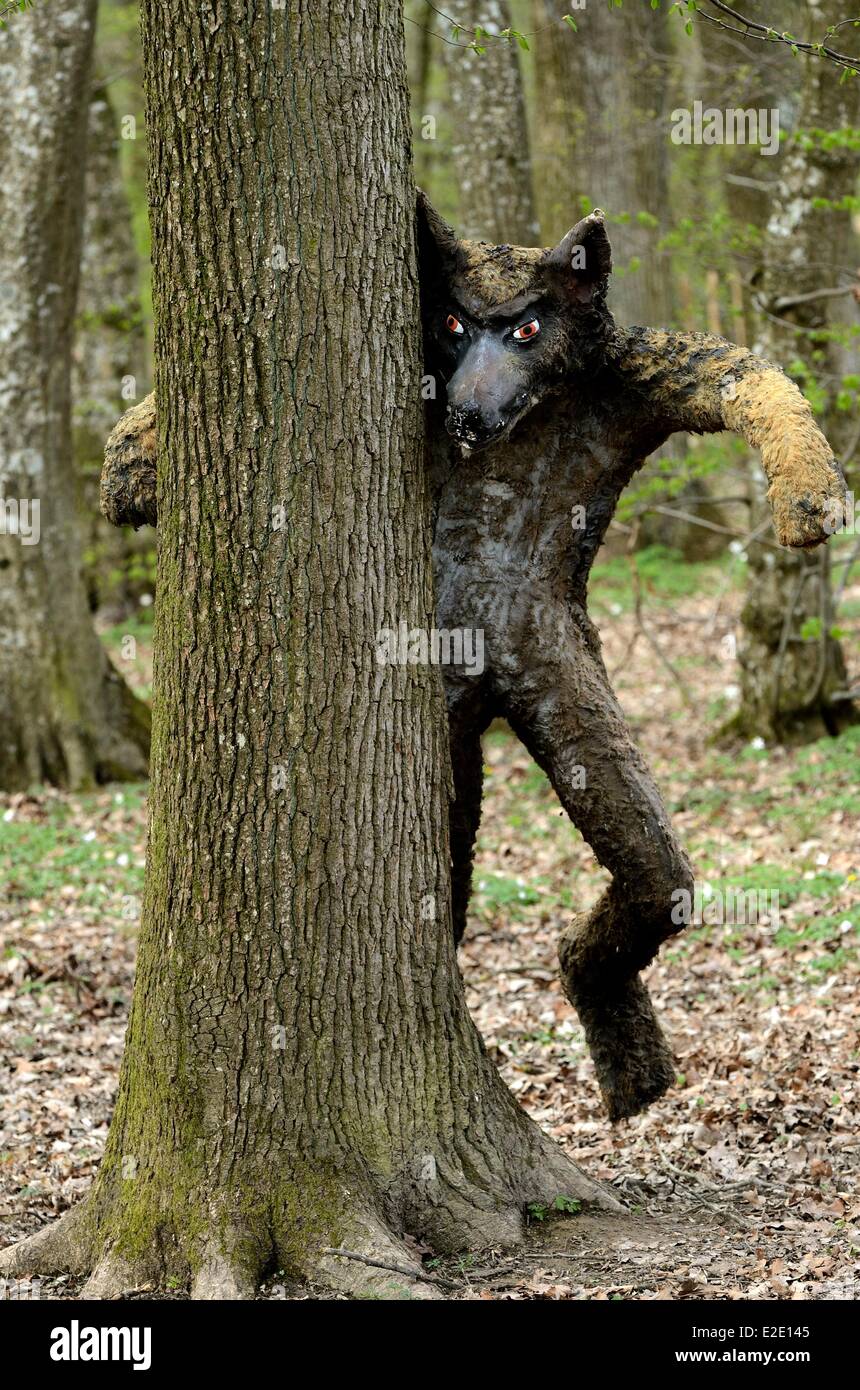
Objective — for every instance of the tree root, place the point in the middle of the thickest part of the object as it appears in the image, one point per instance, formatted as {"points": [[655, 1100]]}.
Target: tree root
{"points": [[378, 1265], [220, 1281], [56, 1248], [558, 1176], [112, 1277], [364, 1254]]}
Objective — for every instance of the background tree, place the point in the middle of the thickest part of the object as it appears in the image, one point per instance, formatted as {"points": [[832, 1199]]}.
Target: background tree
{"points": [[609, 82], [792, 664], [490, 141], [300, 1067], [110, 360], [66, 716]]}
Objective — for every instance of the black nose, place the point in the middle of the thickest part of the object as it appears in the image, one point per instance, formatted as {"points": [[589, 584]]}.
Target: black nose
{"points": [[470, 425]]}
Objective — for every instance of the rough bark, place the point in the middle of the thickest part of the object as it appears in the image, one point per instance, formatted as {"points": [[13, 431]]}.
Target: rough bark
{"points": [[490, 149], [66, 715], [300, 1069], [791, 666]]}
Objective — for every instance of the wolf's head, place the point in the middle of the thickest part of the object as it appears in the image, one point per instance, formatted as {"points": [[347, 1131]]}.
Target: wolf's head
{"points": [[503, 325]]}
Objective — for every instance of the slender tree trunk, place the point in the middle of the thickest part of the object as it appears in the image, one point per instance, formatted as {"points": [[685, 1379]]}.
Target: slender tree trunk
{"points": [[66, 716], [791, 665], [420, 43], [558, 123], [608, 82], [602, 139], [109, 359], [300, 1069], [488, 116]]}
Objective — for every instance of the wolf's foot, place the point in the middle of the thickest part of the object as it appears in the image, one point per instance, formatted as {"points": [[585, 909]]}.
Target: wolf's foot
{"points": [[632, 1058]]}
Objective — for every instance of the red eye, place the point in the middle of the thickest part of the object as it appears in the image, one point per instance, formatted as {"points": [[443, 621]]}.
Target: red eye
{"points": [[527, 331], [453, 325]]}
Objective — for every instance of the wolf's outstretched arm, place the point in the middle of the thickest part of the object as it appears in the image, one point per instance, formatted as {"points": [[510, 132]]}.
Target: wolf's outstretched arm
{"points": [[702, 383], [128, 472]]}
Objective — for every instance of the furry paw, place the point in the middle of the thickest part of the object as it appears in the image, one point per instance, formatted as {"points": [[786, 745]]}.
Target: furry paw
{"points": [[632, 1059], [808, 501]]}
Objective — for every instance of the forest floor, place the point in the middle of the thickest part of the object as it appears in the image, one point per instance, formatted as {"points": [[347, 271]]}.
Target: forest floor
{"points": [[741, 1183]]}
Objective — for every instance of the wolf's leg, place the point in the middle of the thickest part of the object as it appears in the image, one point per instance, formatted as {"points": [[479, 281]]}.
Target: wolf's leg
{"points": [[564, 710], [464, 818], [468, 717]]}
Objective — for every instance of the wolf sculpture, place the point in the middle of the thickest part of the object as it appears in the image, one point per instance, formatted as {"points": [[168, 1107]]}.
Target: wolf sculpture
{"points": [[546, 409]]}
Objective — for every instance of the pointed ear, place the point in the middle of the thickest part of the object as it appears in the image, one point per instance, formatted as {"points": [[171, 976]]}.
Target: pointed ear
{"points": [[437, 242], [582, 261]]}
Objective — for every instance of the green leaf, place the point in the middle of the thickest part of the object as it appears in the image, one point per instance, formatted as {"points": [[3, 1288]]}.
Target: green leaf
{"points": [[811, 629]]}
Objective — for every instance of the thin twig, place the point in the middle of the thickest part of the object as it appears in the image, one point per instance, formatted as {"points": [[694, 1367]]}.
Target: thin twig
{"points": [[848, 561], [419, 1274], [692, 1181], [712, 525], [766, 34], [649, 637], [789, 301]]}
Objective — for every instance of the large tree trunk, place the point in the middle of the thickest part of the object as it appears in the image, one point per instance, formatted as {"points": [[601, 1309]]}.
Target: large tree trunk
{"points": [[66, 716], [300, 1067], [490, 149], [791, 665]]}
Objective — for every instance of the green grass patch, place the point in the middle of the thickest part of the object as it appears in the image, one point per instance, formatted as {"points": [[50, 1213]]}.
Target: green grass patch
{"points": [[77, 848]]}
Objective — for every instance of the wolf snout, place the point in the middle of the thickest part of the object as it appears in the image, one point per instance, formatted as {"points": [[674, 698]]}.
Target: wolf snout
{"points": [[472, 426]]}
